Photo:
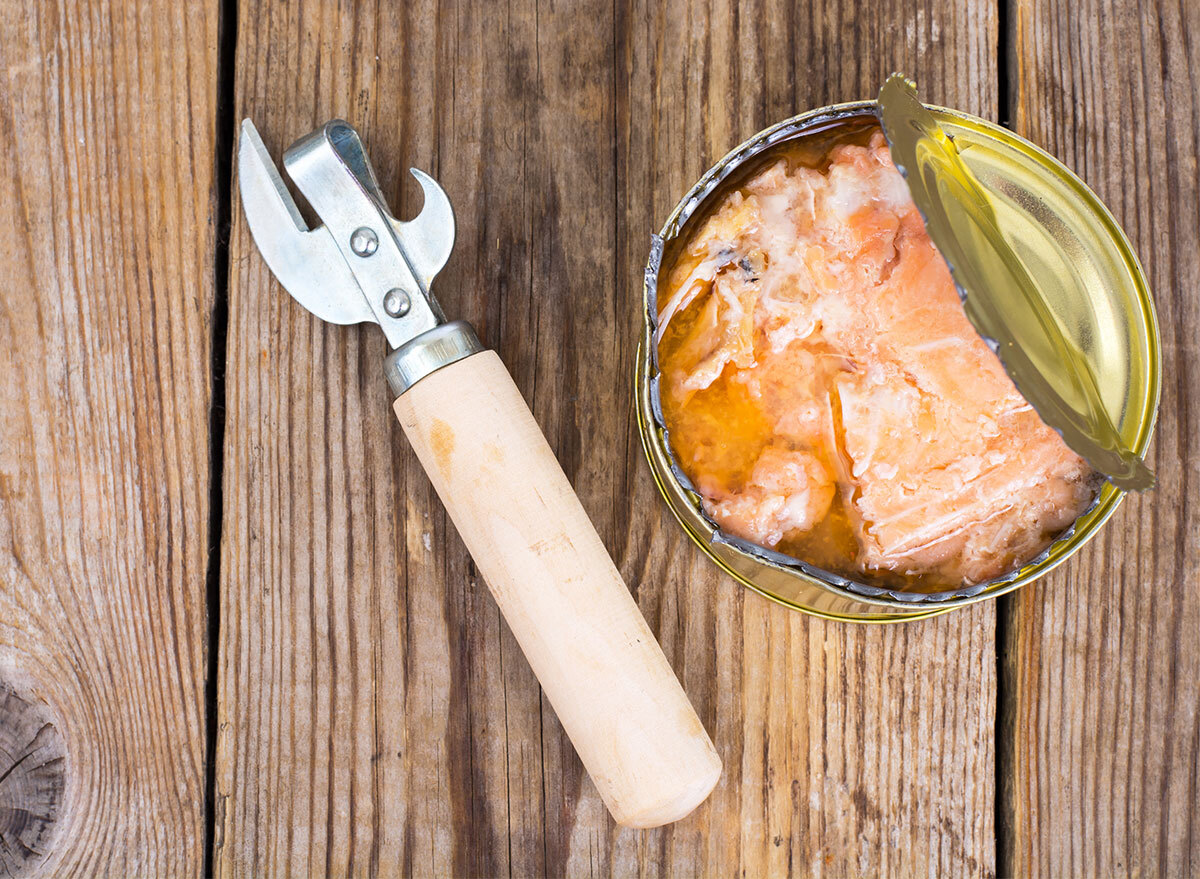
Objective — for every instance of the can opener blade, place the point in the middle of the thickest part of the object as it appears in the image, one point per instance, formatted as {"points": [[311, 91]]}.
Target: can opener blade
{"points": [[361, 264]]}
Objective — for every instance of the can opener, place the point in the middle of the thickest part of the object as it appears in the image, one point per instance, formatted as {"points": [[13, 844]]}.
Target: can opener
{"points": [[597, 660]]}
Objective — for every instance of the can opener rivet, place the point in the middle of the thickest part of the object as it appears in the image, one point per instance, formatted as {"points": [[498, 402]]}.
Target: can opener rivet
{"points": [[364, 241], [396, 302]]}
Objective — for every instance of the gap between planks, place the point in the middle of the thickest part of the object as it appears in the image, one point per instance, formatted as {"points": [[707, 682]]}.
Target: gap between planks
{"points": [[223, 185], [1001, 752]]}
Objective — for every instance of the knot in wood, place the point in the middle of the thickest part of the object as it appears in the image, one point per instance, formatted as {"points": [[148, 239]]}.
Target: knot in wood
{"points": [[32, 781]]}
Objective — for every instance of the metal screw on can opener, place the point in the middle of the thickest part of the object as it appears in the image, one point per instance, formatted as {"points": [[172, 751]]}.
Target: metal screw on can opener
{"points": [[396, 302], [364, 242], [552, 578]]}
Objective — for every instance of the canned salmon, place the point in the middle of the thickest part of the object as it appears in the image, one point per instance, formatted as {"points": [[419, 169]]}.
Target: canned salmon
{"points": [[857, 485]]}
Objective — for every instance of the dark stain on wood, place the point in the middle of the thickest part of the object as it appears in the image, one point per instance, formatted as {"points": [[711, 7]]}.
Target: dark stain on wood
{"points": [[441, 443], [32, 782]]}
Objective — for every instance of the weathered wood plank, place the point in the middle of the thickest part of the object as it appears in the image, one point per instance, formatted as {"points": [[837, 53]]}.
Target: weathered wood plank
{"points": [[375, 712], [848, 750], [1101, 679], [107, 200]]}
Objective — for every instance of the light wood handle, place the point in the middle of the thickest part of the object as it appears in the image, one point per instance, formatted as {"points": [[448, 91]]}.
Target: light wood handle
{"points": [[563, 598]]}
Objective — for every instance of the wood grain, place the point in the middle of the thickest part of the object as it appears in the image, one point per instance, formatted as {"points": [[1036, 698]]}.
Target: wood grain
{"points": [[1101, 681], [376, 714], [107, 114]]}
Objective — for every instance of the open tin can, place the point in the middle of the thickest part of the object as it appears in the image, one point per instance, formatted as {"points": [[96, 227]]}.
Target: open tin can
{"points": [[1060, 230]]}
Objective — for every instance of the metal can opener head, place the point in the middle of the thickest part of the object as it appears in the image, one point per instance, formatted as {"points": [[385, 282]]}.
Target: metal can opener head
{"points": [[361, 264]]}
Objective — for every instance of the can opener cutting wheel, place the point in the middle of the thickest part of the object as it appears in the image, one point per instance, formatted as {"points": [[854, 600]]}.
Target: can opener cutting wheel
{"points": [[597, 660]]}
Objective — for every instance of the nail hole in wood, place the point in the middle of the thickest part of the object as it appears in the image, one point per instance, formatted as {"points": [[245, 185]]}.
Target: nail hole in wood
{"points": [[32, 782]]}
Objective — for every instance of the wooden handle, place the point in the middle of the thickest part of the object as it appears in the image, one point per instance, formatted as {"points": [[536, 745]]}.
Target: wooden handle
{"points": [[582, 632]]}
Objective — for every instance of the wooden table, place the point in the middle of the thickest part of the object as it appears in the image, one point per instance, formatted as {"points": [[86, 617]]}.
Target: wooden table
{"points": [[236, 630]]}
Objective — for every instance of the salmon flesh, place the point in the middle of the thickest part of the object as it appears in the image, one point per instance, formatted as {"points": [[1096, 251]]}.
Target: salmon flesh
{"points": [[826, 394]]}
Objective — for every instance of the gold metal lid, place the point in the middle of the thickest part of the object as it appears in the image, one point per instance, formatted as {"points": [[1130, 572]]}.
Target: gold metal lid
{"points": [[1040, 306]]}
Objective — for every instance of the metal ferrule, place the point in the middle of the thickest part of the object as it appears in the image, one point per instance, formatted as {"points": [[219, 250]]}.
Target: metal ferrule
{"points": [[427, 353]]}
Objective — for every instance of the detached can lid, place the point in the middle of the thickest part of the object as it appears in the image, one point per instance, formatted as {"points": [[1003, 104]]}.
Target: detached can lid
{"points": [[1043, 323]]}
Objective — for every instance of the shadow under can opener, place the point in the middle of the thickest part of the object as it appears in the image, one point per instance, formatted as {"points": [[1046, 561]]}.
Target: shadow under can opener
{"points": [[585, 638]]}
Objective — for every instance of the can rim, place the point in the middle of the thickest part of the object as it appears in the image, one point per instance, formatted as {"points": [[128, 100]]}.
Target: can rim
{"points": [[917, 605]]}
